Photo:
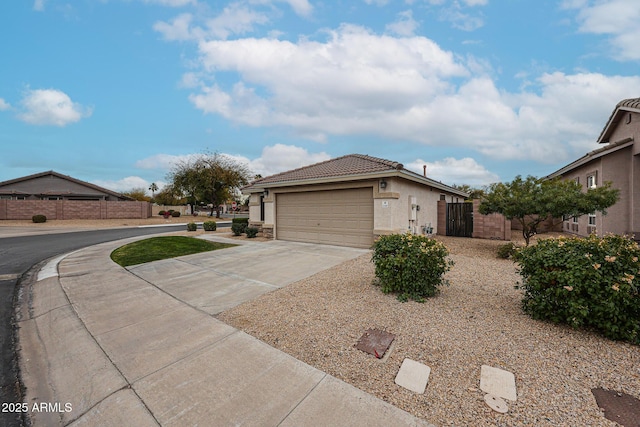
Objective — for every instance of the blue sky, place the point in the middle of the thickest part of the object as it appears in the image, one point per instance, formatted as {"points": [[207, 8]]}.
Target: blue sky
{"points": [[115, 91]]}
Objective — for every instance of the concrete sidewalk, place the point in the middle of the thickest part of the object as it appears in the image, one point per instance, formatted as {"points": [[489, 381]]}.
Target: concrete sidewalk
{"points": [[101, 345]]}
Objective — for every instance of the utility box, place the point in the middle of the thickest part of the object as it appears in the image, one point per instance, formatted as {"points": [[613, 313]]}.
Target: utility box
{"points": [[413, 208]]}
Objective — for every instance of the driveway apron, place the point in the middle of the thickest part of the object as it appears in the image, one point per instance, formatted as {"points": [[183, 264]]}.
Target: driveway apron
{"points": [[113, 346]]}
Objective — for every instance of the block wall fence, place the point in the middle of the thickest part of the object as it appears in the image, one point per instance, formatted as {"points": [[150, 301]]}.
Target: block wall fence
{"points": [[74, 209]]}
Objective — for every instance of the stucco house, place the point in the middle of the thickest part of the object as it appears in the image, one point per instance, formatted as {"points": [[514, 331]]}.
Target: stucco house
{"points": [[617, 161], [346, 201], [62, 197], [52, 185]]}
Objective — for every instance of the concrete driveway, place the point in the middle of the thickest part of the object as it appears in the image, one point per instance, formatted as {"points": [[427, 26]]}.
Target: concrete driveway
{"points": [[216, 281], [112, 348]]}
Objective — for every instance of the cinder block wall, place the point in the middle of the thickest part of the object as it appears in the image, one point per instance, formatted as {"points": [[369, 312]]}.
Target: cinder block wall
{"points": [[493, 226], [73, 209]]}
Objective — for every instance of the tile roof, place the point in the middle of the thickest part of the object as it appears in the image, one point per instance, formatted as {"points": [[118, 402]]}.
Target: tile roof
{"points": [[62, 176], [349, 167], [351, 164], [631, 104]]}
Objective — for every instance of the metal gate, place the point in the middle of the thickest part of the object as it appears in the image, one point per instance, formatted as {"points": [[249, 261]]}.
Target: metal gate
{"points": [[460, 219]]}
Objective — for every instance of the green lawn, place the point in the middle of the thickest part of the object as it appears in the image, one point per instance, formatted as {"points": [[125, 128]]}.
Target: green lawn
{"points": [[157, 248]]}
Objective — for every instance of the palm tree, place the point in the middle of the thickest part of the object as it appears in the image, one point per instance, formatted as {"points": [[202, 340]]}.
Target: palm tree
{"points": [[153, 188]]}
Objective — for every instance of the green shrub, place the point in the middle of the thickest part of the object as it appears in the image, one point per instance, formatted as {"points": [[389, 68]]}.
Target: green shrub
{"points": [[39, 218], [192, 226], [251, 232], [410, 266], [242, 222], [162, 213], [584, 282], [175, 214], [209, 226], [238, 229], [507, 250]]}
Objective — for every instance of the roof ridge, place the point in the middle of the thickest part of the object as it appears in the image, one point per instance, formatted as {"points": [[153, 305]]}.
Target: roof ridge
{"points": [[384, 162]]}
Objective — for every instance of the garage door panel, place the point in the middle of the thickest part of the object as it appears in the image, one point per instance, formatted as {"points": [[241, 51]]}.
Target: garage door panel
{"points": [[337, 217]]}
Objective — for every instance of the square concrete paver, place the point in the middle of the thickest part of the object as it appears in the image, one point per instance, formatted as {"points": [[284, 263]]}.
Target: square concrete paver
{"points": [[498, 382], [238, 381], [413, 376]]}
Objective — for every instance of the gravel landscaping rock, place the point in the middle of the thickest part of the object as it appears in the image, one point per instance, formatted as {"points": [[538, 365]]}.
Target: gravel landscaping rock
{"points": [[473, 322]]}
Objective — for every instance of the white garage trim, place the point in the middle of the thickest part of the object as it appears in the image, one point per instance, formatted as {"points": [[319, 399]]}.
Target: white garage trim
{"points": [[335, 217]]}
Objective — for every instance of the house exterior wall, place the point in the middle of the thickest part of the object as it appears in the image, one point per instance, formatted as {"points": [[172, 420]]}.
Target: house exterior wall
{"points": [[54, 185], [616, 167], [391, 205], [73, 209]]}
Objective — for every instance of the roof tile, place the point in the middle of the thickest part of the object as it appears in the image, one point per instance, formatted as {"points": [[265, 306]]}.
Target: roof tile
{"points": [[351, 164]]}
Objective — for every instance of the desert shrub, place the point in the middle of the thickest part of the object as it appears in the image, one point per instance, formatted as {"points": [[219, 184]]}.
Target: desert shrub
{"points": [[251, 232], [192, 226], [162, 213], [39, 218], [507, 250], [209, 226], [237, 229], [175, 214], [243, 222], [410, 266], [584, 282]]}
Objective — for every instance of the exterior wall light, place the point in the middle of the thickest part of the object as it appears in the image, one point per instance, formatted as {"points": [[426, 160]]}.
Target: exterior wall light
{"points": [[383, 184], [266, 192]]}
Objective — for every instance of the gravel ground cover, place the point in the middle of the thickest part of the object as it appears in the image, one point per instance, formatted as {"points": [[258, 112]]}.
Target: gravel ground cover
{"points": [[476, 320]]}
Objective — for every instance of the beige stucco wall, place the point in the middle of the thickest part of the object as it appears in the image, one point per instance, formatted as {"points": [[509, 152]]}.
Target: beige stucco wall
{"points": [[392, 209]]}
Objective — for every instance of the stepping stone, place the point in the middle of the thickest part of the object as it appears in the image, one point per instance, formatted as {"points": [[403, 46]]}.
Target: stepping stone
{"points": [[375, 342], [413, 376], [498, 382], [496, 403]]}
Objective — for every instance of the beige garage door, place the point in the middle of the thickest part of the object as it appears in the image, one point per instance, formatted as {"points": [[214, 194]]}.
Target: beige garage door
{"points": [[335, 217]]}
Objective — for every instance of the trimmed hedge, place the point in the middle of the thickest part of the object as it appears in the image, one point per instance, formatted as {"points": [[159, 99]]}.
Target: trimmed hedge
{"points": [[240, 224], [192, 226], [584, 282], [411, 266], [209, 226], [252, 232], [39, 218]]}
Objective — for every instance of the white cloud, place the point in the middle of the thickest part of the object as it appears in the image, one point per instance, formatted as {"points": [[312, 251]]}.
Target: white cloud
{"points": [[300, 7], [405, 89], [455, 171], [50, 107], [163, 161], [273, 159], [38, 5], [279, 158], [405, 25], [172, 3], [4, 105], [125, 184], [615, 18]]}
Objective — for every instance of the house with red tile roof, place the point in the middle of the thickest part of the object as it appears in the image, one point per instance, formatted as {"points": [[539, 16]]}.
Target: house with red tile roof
{"points": [[347, 201]]}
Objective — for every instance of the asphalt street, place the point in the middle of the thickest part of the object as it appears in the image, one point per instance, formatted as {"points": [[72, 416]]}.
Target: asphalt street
{"points": [[17, 256]]}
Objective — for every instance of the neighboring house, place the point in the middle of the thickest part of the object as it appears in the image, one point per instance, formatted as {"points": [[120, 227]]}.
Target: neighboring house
{"points": [[55, 186], [619, 162], [346, 201]]}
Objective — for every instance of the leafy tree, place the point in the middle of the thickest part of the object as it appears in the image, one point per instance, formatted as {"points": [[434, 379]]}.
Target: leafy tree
{"points": [[210, 177], [167, 196], [138, 193], [474, 193], [532, 200]]}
